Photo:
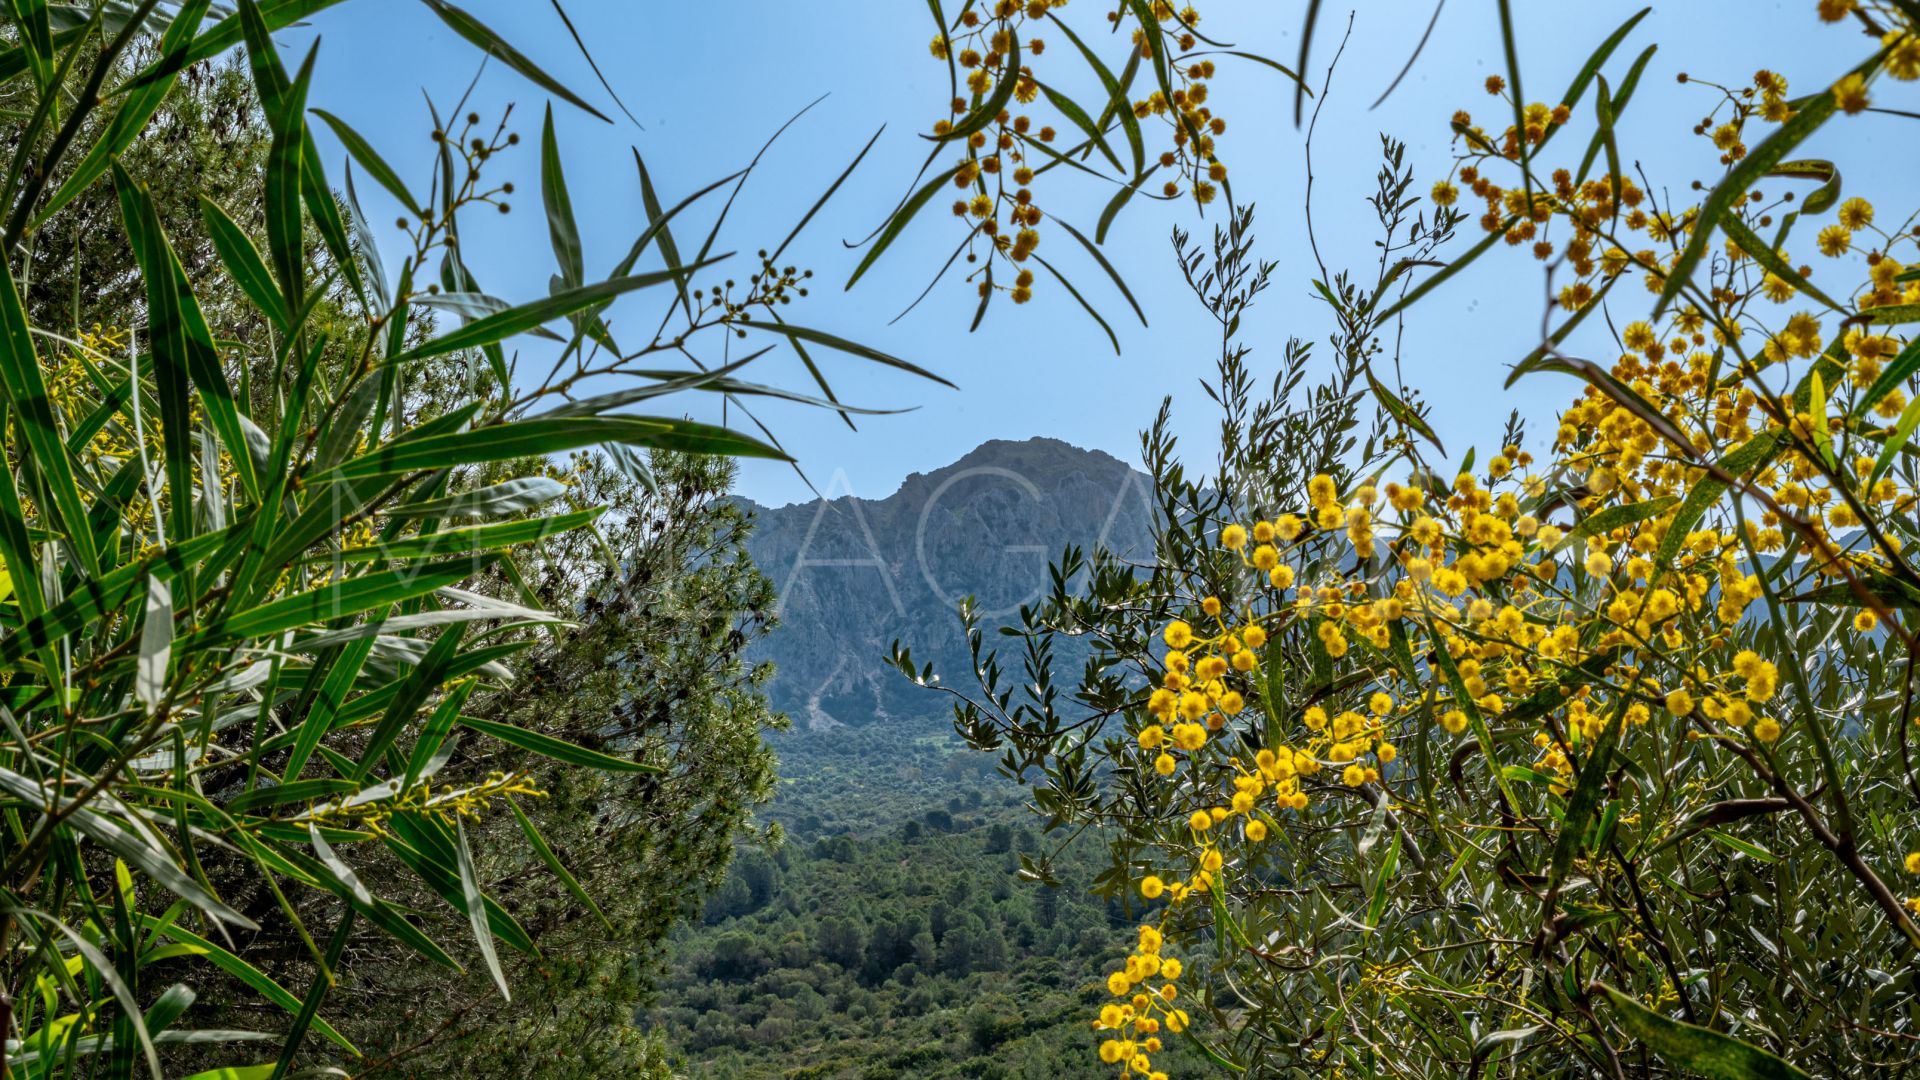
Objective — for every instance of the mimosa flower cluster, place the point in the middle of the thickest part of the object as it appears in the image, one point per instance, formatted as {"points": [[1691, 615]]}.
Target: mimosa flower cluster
{"points": [[989, 48], [1736, 455]]}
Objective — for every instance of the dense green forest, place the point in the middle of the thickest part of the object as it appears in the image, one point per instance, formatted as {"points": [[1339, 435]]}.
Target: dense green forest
{"points": [[891, 934]]}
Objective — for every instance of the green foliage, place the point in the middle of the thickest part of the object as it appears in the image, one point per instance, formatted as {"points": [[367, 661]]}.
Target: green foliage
{"points": [[1640, 809], [300, 675], [892, 934], [654, 671]]}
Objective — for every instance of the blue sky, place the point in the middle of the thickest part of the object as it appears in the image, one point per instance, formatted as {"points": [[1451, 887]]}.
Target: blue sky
{"points": [[711, 81]]}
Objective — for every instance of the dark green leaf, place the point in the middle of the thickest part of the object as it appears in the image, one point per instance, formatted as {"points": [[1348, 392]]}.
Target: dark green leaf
{"points": [[1119, 282], [336, 600], [1120, 199], [891, 231], [370, 160], [474, 538], [561, 229], [526, 317], [26, 391], [1764, 254], [802, 333], [988, 111], [496, 46], [559, 750], [1750, 457], [1733, 187], [524, 438], [1448, 271], [1401, 411], [1697, 1049], [1613, 517], [243, 262]]}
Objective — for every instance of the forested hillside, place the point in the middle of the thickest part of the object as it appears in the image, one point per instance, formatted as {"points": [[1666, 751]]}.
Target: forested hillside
{"points": [[892, 935]]}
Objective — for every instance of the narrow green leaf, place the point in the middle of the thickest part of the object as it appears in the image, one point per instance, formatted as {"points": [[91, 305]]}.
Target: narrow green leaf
{"points": [[228, 32], [341, 674], [1533, 359], [1744, 847], [1751, 456], [1764, 254], [1899, 371], [1306, 43], [817, 337], [183, 347], [1603, 113], [1824, 171], [1594, 62], [527, 316], [256, 980], [559, 750], [1114, 205], [294, 791], [1896, 442], [1697, 1049], [1733, 187], [540, 847], [476, 538], [434, 735], [370, 160], [1616, 105], [561, 229], [1073, 112], [1117, 103], [1401, 411], [1094, 250], [243, 262], [26, 390], [336, 600], [891, 231], [415, 688], [988, 111], [1605, 521], [1383, 881], [104, 829], [477, 911], [1864, 590], [1446, 272], [1156, 42], [506, 497], [284, 157], [1482, 734], [90, 599], [1519, 97], [156, 645], [523, 438], [131, 118], [1258, 59], [1892, 314], [1075, 293], [322, 982], [1588, 791], [496, 46]]}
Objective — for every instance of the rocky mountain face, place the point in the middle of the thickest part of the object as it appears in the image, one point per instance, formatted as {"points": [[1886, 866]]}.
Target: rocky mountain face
{"points": [[856, 574]]}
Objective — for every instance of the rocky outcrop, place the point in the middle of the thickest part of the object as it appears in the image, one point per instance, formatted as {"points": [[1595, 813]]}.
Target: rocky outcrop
{"points": [[856, 574]]}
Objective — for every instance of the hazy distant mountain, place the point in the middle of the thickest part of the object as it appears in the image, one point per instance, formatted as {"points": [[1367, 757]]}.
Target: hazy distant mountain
{"points": [[855, 574]]}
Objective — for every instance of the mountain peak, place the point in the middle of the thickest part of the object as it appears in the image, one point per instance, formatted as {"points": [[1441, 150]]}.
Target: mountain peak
{"points": [[854, 575], [1038, 464]]}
